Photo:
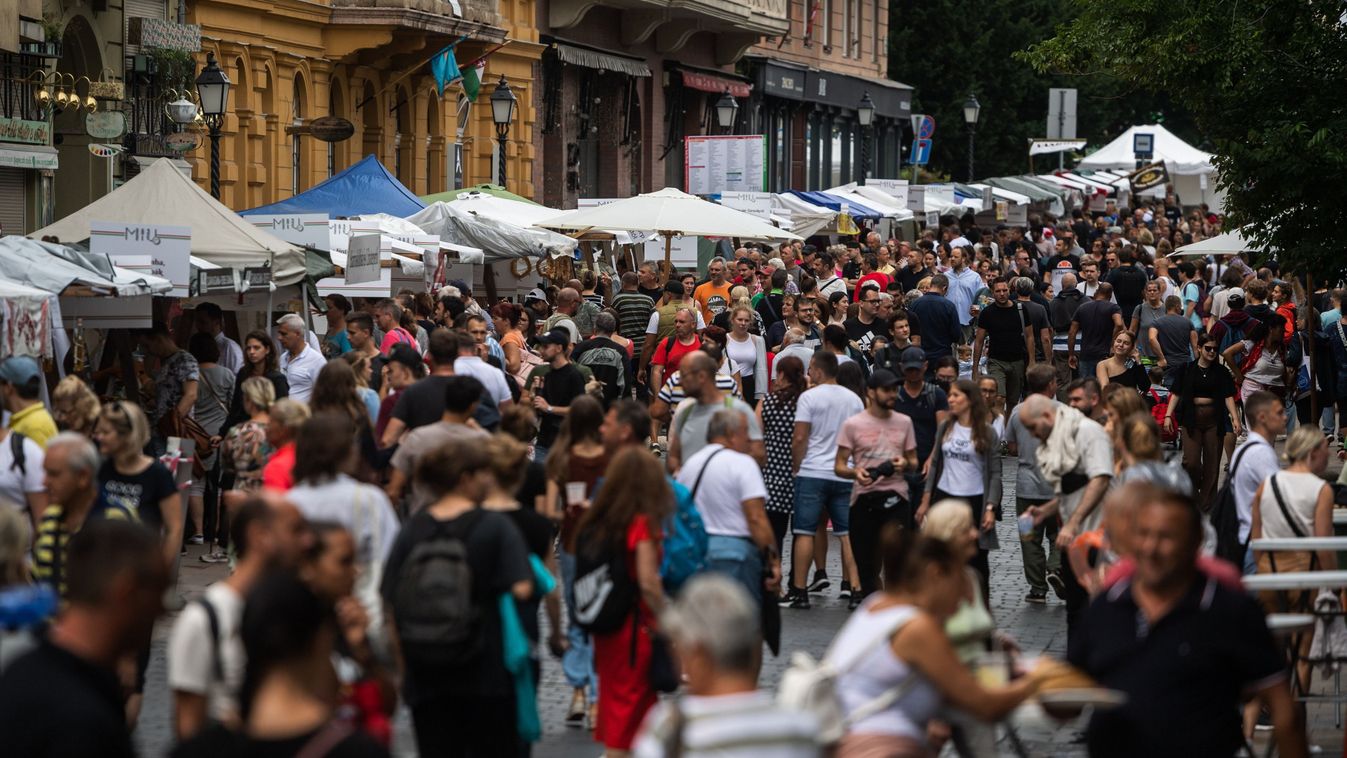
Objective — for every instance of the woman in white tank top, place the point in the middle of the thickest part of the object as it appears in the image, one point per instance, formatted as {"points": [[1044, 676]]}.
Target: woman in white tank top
{"points": [[898, 667]]}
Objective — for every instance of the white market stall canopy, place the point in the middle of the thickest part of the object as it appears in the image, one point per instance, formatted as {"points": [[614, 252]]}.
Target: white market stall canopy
{"points": [[1180, 158], [872, 197], [1229, 243], [1014, 198], [55, 268], [480, 225], [802, 217], [162, 194], [670, 211]]}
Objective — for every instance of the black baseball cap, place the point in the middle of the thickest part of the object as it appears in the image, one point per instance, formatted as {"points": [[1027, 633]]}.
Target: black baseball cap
{"points": [[913, 358], [556, 337], [883, 378]]}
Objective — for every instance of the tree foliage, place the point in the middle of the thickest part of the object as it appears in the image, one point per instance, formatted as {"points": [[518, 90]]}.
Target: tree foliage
{"points": [[1265, 81], [949, 48]]}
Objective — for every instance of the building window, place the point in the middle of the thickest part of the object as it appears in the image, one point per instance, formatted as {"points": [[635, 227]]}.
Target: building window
{"points": [[297, 106], [827, 18], [874, 26], [854, 40], [846, 26]]}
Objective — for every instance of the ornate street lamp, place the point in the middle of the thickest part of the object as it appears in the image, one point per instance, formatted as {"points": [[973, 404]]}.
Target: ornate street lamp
{"points": [[971, 110], [727, 107], [212, 88], [502, 112], [865, 116]]}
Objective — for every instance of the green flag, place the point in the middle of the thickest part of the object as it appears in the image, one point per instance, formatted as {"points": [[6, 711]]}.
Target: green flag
{"points": [[472, 80]]}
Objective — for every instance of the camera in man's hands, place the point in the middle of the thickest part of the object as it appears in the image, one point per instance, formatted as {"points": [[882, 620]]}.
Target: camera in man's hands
{"points": [[882, 470]]}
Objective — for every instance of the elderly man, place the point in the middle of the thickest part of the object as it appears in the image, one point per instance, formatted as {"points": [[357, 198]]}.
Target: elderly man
{"points": [[299, 362], [716, 632], [1076, 461], [792, 345], [1184, 648], [563, 317], [669, 352], [729, 492], [688, 432], [71, 478]]}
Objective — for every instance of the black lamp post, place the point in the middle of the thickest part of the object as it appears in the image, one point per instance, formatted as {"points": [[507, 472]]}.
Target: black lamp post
{"points": [[865, 116], [212, 88], [726, 109], [971, 109], [502, 111]]}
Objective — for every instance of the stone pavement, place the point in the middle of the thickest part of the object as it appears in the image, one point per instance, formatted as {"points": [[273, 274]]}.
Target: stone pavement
{"points": [[1039, 630]]}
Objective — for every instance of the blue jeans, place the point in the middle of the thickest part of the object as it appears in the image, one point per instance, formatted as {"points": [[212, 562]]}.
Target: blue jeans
{"points": [[578, 662], [739, 559], [813, 497], [1087, 366]]}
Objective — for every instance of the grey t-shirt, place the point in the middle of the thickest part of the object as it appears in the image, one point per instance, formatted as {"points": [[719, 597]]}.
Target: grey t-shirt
{"points": [[1028, 480], [691, 421], [420, 441], [1172, 331], [1146, 317]]}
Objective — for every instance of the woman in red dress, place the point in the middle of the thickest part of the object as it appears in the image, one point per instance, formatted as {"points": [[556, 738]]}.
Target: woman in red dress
{"points": [[634, 499]]}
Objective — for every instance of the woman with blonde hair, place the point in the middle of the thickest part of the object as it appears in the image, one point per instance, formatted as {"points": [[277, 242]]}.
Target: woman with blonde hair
{"points": [[135, 481], [74, 406], [283, 423], [1120, 401], [362, 368]]}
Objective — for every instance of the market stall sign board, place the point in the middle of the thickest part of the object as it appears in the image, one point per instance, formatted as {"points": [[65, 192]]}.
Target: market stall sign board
{"points": [[303, 229], [164, 251]]}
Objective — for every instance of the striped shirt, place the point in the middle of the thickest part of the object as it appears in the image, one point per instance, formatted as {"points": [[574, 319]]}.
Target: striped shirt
{"points": [[49, 549], [633, 311], [742, 725]]}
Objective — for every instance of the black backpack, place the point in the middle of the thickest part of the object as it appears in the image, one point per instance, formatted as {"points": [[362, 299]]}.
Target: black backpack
{"points": [[20, 463], [437, 620], [605, 592], [1225, 518]]}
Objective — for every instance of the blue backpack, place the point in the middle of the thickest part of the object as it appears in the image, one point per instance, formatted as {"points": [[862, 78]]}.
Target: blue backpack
{"points": [[685, 540]]}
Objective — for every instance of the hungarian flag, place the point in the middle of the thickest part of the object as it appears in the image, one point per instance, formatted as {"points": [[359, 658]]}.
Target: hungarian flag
{"points": [[472, 79]]}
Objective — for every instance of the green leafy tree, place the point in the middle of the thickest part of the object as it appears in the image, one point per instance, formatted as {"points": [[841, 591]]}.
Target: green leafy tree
{"points": [[947, 49], [1264, 81]]}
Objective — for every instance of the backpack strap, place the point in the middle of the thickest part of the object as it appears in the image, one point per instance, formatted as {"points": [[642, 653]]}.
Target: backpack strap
{"points": [[698, 483], [1286, 514], [213, 619], [326, 739], [20, 463]]}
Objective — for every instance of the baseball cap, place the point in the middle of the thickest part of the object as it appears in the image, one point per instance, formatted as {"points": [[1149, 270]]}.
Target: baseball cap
{"points": [[536, 294], [556, 337], [406, 355], [674, 287], [912, 357], [1236, 295], [20, 370], [884, 378]]}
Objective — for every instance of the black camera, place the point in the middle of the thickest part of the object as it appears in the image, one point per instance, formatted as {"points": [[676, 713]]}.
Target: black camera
{"points": [[882, 470]]}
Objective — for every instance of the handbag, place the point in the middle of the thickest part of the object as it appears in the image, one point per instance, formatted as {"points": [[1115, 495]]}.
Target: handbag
{"points": [[173, 424]]}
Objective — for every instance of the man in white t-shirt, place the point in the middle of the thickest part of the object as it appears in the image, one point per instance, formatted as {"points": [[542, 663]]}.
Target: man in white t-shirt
{"points": [[205, 653], [731, 497], [21, 482], [469, 363], [298, 360], [819, 415]]}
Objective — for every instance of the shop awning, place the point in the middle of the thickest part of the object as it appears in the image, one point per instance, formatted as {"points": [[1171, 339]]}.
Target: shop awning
{"points": [[28, 156], [834, 203], [711, 83], [583, 56]]}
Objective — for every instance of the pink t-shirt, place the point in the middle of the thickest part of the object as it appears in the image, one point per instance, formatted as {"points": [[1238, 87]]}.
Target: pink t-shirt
{"points": [[394, 336], [873, 441]]}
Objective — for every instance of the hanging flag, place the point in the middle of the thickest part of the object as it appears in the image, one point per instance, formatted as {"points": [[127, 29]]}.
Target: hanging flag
{"points": [[472, 80], [445, 68]]}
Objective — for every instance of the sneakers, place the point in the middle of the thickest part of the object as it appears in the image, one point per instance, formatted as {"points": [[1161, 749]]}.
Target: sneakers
{"points": [[197, 540], [575, 715], [846, 593], [1037, 598], [1058, 586], [820, 582], [215, 556], [853, 601], [795, 598]]}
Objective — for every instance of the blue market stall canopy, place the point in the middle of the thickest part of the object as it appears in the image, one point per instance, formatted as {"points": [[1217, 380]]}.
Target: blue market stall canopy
{"points": [[834, 203], [364, 188]]}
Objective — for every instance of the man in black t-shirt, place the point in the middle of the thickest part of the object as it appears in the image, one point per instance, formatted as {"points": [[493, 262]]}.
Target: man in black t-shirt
{"points": [[1184, 648], [1094, 326], [63, 698], [1007, 332], [1129, 282], [422, 403], [551, 387], [862, 330]]}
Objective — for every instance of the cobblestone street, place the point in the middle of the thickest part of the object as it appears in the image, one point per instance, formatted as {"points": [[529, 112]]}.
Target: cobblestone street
{"points": [[1038, 628]]}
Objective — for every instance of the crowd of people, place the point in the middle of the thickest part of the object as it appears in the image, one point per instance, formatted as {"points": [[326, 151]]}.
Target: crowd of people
{"points": [[424, 495]]}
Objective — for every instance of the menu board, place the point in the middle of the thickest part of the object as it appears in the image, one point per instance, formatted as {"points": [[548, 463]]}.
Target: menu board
{"points": [[725, 163]]}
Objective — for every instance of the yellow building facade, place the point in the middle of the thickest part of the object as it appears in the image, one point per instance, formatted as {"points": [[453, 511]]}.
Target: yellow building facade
{"points": [[291, 61]]}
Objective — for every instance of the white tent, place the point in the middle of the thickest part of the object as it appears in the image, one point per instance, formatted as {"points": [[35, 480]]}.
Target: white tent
{"points": [[1229, 243], [500, 235], [1191, 170], [802, 217], [55, 268], [670, 211], [162, 195]]}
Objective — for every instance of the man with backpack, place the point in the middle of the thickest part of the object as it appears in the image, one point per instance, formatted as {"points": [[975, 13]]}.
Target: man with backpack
{"points": [[1254, 461], [205, 654], [450, 566], [691, 419], [1235, 323], [731, 497], [1061, 312], [661, 326], [605, 358]]}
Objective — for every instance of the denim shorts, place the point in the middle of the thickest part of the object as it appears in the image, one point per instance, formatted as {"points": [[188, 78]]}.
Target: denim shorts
{"points": [[815, 496]]}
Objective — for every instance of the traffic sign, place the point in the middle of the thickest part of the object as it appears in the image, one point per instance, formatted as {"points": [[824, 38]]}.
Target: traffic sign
{"points": [[921, 152], [927, 129]]}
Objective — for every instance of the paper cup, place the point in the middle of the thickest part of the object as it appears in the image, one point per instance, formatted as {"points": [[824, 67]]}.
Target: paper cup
{"points": [[575, 493]]}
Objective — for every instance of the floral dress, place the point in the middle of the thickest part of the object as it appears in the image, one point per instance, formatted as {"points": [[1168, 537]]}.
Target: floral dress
{"points": [[245, 451], [778, 430]]}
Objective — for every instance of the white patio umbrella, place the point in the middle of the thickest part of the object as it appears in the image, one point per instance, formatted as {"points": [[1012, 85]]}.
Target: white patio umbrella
{"points": [[1228, 243], [669, 213]]}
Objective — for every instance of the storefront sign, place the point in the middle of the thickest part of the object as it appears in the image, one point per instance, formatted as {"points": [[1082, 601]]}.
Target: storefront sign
{"points": [[182, 142], [163, 251], [303, 229], [896, 188], [105, 124], [757, 204], [362, 259], [781, 81], [24, 130], [331, 129], [725, 163]]}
